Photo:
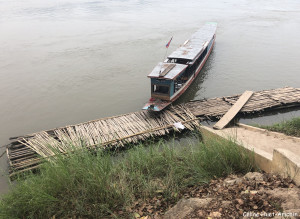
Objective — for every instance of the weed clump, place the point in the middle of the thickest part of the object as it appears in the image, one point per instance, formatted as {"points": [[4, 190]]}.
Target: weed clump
{"points": [[289, 127]]}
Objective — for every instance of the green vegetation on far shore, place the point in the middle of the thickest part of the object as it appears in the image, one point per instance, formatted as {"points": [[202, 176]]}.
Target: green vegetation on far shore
{"points": [[289, 127], [96, 185]]}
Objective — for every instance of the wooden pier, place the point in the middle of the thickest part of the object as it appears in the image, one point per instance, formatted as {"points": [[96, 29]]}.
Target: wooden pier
{"points": [[25, 152]]}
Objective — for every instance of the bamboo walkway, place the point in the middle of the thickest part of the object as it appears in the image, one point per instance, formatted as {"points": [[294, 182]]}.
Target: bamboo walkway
{"points": [[25, 152]]}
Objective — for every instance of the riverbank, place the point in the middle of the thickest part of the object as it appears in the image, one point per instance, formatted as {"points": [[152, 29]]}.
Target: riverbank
{"points": [[104, 184], [148, 180]]}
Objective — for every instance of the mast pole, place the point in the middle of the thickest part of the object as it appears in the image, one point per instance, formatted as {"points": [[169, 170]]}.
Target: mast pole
{"points": [[165, 54], [167, 46]]}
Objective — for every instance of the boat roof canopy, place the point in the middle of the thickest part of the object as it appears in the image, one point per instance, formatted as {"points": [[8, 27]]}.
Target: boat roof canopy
{"points": [[167, 71], [193, 46]]}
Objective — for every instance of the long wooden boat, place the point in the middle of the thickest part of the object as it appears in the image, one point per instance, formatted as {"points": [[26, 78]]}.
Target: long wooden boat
{"points": [[171, 78]]}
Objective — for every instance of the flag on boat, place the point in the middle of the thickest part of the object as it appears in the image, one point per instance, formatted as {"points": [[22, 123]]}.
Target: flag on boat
{"points": [[168, 44]]}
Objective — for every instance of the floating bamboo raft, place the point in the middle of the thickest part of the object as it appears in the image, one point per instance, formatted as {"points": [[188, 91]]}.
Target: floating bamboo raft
{"points": [[259, 102], [25, 152]]}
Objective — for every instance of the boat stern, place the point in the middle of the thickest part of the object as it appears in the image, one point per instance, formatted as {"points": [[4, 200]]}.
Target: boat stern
{"points": [[156, 105]]}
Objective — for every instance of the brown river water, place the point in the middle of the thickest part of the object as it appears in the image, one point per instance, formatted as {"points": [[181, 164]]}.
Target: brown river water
{"points": [[69, 61]]}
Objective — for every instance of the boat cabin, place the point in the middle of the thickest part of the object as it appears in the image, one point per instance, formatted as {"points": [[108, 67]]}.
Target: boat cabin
{"points": [[167, 79]]}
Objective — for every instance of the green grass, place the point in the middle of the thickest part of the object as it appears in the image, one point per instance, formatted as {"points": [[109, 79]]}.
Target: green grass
{"points": [[89, 186], [289, 127]]}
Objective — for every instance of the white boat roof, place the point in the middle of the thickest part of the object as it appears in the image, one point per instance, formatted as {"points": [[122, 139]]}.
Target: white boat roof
{"points": [[193, 46], [167, 70]]}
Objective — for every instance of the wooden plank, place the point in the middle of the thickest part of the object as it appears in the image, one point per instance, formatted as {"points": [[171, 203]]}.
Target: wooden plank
{"points": [[169, 68], [233, 110]]}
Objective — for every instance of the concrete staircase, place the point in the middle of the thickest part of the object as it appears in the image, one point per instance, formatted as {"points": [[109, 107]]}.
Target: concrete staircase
{"points": [[274, 152]]}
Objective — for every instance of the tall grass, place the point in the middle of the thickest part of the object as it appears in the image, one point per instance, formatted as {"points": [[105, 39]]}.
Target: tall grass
{"points": [[94, 186], [289, 127]]}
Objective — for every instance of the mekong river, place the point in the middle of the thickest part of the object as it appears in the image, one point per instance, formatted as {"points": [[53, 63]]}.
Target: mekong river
{"points": [[70, 61]]}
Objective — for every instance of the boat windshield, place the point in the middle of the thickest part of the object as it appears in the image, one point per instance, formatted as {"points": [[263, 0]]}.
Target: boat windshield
{"points": [[161, 89]]}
